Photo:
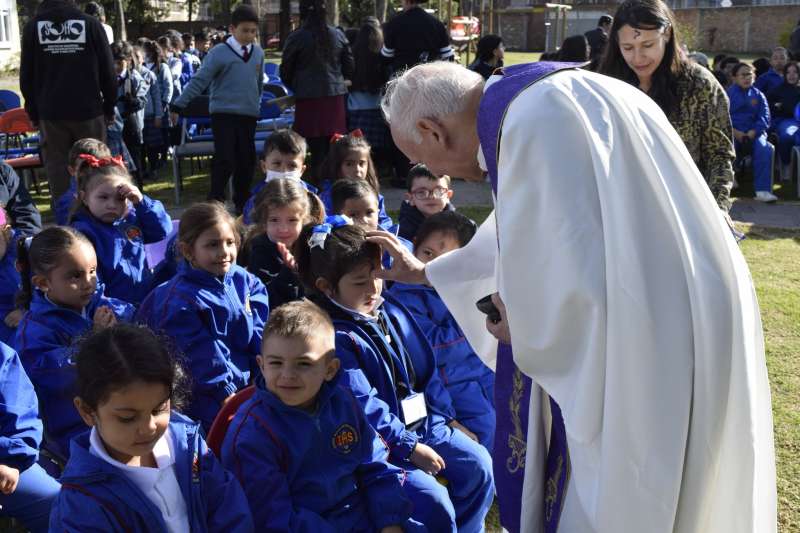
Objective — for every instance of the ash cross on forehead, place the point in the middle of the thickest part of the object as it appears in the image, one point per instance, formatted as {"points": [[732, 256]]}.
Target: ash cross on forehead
{"points": [[636, 34]]}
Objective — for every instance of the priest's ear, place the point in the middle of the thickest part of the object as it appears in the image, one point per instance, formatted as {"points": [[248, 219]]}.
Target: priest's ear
{"points": [[432, 131]]}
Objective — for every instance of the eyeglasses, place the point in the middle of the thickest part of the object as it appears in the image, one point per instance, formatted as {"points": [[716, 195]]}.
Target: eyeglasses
{"points": [[424, 194]]}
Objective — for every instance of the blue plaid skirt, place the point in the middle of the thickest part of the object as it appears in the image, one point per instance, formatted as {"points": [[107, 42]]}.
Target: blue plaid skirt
{"points": [[372, 123]]}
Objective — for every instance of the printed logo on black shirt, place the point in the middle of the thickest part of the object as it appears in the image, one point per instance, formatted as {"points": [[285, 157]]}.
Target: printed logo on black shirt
{"points": [[66, 37]]}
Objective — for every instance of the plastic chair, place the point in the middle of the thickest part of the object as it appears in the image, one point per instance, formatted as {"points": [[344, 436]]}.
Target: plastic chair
{"points": [[224, 418], [155, 252], [9, 100], [272, 70], [195, 112], [15, 124]]}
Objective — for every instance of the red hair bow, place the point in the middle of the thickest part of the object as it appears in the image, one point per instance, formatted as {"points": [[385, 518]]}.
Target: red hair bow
{"points": [[355, 133], [96, 162]]}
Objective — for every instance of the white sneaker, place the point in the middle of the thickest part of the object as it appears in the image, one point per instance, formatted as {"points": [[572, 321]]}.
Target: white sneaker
{"points": [[766, 197]]}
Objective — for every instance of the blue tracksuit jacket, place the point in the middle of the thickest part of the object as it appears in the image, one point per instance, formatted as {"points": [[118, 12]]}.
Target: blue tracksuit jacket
{"points": [[323, 472], [217, 324], [45, 341], [121, 260], [20, 427], [65, 201], [96, 496], [768, 83], [251, 202], [9, 285], [362, 346], [469, 382], [326, 188], [749, 109]]}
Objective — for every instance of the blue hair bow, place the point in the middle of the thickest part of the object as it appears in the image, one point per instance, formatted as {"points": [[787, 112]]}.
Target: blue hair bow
{"points": [[321, 231]]}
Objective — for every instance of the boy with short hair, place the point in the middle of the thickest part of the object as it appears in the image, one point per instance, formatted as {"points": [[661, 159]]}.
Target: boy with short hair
{"points": [[469, 382], [427, 195], [772, 79], [301, 447], [87, 146], [233, 72], [283, 156]]}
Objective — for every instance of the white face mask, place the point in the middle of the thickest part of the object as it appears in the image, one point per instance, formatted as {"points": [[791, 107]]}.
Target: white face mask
{"points": [[289, 174]]}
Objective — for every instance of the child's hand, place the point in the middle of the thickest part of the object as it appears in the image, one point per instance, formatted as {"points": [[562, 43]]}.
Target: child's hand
{"points": [[12, 319], [751, 134], [286, 256], [157, 122], [9, 477], [104, 318], [392, 529], [173, 119], [738, 135], [426, 459], [130, 192], [455, 424]]}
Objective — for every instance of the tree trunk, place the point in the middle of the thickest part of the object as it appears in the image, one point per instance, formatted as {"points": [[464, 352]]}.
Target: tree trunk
{"points": [[190, 8], [226, 11], [121, 33], [333, 12], [380, 10], [285, 21]]}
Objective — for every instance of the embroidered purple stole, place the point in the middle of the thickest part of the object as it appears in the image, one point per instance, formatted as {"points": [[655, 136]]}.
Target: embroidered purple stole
{"points": [[512, 389]]}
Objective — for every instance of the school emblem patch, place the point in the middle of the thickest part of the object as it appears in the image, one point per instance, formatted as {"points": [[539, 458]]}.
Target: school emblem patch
{"points": [[754, 102], [345, 439], [196, 468], [133, 233]]}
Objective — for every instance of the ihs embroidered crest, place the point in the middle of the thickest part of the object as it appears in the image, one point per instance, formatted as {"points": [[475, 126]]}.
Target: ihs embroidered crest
{"points": [[133, 233], [196, 468], [345, 439], [247, 304]]}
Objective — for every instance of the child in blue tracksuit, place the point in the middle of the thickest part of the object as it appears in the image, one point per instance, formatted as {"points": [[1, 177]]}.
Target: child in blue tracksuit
{"points": [[282, 208], [88, 146], [350, 158], [303, 438], [10, 314], [117, 232], [60, 310], [750, 120], [283, 156], [213, 309], [143, 467], [26, 490], [469, 382], [379, 340]]}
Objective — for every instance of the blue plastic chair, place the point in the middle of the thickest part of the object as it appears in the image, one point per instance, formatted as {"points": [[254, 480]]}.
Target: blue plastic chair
{"points": [[272, 70], [268, 110], [9, 100]]}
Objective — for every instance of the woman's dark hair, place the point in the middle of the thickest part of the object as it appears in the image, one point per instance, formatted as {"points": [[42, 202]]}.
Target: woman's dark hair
{"points": [[647, 15], [761, 65], [165, 43], [346, 249], [314, 15], [574, 49], [487, 45], [281, 192], [728, 60], [718, 61], [122, 354], [738, 67], [791, 64], [153, 52], [329, 169], [369, 74], [200, 217], [46, 251], [95, 10], [448, 222], [344, 190]]}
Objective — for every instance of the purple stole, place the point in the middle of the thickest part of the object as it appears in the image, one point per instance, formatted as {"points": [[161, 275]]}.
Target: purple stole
{"points": [[512, 389]]}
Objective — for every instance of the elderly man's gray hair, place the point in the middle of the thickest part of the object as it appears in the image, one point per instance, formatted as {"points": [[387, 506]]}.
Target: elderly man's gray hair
{"points": [[431, 90]]}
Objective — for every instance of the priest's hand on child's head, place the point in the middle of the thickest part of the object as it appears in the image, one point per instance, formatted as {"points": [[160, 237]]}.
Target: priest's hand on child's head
{"points": [[405, 267]]}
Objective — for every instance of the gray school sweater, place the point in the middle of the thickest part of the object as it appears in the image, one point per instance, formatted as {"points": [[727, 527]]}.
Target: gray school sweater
{"points": [[235, 83]]}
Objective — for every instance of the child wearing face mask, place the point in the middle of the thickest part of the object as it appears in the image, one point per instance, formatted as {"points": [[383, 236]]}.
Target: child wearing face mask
{"points": [[350, 159], [142, 467], [378, 340], [118, 232], [58, 270], [469, 382], [283, 156], [304, 440], [9, 279], [213, 309], [282, 208]]}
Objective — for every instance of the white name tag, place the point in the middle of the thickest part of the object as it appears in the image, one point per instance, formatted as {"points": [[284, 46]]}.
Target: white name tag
{"points": [[414, 408]]}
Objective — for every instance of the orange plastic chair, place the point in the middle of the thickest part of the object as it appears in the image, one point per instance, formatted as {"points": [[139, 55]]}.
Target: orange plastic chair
{"points": [[224, 418]]}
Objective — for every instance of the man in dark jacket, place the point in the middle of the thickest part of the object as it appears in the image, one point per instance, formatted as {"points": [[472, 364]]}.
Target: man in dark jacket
{"points": [[414, 36], [598, 37], [17, 202], [68, 80]]}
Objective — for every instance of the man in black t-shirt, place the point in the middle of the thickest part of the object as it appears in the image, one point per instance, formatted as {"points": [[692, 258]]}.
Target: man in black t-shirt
{"points": [[414, 36]]}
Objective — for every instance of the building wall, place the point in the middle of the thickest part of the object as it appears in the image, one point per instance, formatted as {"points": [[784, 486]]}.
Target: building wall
{"points": [[748, 29], [9, 35]]}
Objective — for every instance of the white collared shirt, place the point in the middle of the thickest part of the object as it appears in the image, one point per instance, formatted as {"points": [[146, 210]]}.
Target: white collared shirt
{"points": [[237, 46], [159, 485]]}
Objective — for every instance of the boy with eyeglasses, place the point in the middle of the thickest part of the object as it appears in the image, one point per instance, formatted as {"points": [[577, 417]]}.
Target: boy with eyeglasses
{"points": [[427, 195]]}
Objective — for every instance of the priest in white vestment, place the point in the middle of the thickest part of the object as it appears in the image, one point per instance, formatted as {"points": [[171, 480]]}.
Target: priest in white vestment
{"points": [[626, 299]]}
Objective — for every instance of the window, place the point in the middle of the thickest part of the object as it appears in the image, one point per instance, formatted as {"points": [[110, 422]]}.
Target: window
{"points": [[5, 27]]}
